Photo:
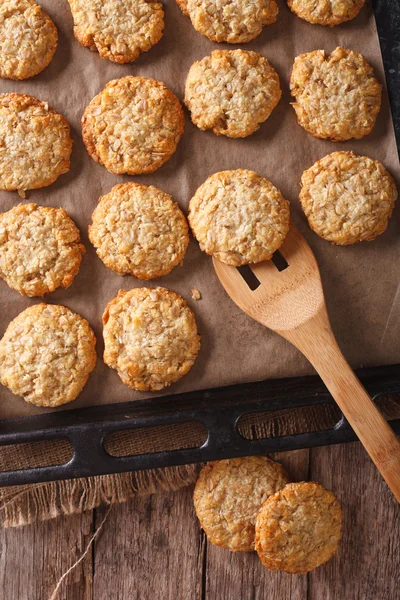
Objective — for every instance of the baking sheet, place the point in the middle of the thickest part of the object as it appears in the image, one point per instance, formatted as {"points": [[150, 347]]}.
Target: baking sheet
{"points": [[361, 282]]}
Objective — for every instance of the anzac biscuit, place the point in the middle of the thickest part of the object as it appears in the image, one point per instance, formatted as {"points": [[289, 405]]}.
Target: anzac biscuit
{"points": [[231, 92], [232, 21], [239, 217], [40, 249], [347, 198], [133, 126], [139, 230], [337, 96], [298, 528], [229, 494], [47, 354], [118, 31], [35, 143], [326, 12], [150, 338], [28, 39]]}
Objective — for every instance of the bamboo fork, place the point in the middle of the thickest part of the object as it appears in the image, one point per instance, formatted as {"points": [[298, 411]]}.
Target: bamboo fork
{"points": [[291, 302]]}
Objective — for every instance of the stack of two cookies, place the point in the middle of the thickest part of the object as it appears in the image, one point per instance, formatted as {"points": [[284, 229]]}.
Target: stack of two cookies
{"points": [[247, 504]]}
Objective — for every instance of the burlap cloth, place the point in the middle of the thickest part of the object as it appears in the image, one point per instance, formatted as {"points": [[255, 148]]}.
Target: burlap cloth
{"points": [[362, 313]]}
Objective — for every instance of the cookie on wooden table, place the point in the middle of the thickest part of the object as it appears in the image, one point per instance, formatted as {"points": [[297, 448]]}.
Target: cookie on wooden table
{"points": [[347, 198], [35, 143], [298, 528], [231, 92], [47, 354], [326, 12], [28, 39], [133, 126], [118, 30], [337, 96], [239, 217], [40, 249], [233, 21], [139, 230], [229, 494], [150, 337]]}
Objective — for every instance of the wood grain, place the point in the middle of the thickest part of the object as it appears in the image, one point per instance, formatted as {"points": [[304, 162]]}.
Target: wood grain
{"points": [[150, 548], [33, 558]]}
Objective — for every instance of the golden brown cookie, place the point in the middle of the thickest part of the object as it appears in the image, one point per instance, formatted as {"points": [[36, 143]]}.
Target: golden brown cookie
{"points": [[133, 126], [28, 39], [118, 31], [229, 494], [337, 96], [239, 217], [298, 528], [47, 354], [40, 249], [35, 143], [231, 92], [232, 21], [347, 198], [326, 12], [150, 338], [139, 230]]}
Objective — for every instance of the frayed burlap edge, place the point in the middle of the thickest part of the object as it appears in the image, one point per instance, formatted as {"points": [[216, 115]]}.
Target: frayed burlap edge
{"points": [[25, 504]]}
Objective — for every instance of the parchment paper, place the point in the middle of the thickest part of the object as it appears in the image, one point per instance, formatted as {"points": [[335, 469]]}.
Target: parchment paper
{"points": [[361, 282]]}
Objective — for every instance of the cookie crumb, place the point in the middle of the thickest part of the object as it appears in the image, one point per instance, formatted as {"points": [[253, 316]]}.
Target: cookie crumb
{"points": [[196, 294], [22, 194]]}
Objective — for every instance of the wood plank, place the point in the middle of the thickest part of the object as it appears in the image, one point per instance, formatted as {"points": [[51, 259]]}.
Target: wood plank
{"points": [[240, 575], [150, 547], [367, 565], [33, 558]]}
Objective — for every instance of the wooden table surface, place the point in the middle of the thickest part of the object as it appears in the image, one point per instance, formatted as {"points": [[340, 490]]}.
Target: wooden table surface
{"points": [[151, 548]]}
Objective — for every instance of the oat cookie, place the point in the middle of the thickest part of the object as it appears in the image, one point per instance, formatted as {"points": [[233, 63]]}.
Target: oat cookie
{"points": [[231, 92], [233, 21], [326, 12], [35, 143], [150, 338], [298, 528], [229, 494], [133, 126], [40, 249], [337, 96], [139, 230], [118, 31], [47, 354], [348, 198], [239, 217], [28, 39]]}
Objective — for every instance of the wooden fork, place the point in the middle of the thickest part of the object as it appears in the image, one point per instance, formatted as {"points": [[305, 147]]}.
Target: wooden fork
{"points": [[291, 302]]}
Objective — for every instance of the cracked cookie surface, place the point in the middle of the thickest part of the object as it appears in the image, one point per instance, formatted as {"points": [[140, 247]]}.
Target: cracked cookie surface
{"points": [[347, 198], [326, 12], [232, 21], [118, 31], [298, 528], [139, 230], [35, 143], [150, 337], [231, 92], [239, 217], [47, 354], [40, 249], [28, 39], [133, 126], [229, 494], [337, 96]]}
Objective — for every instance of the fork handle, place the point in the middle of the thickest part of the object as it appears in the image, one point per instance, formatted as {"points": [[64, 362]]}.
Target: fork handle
{"points": [[317, 342]]}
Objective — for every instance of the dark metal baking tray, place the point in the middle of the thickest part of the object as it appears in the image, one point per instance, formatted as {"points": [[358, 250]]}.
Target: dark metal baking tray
{"points": [[219, 409]]}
